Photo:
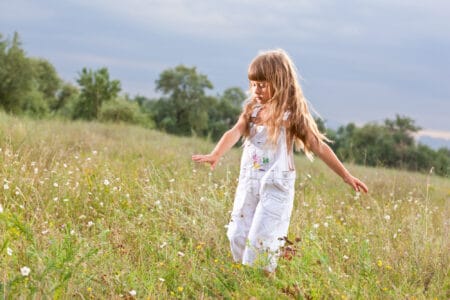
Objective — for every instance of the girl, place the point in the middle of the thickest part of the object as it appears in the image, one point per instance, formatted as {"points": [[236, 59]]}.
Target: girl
{"points": [[274, 120]]}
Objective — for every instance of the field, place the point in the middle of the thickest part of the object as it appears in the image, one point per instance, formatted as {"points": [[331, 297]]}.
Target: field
{"points": [[97, 211]]}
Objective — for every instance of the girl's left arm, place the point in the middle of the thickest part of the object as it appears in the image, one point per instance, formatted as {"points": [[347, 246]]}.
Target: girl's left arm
{"points": [[326, 154]]}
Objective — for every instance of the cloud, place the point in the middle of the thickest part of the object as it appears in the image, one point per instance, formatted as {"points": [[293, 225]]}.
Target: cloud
{"points": [[23, 10], [444, 135]]}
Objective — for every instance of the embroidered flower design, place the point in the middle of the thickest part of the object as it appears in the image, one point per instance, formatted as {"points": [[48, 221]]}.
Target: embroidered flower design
{"points": [[259, 162]]}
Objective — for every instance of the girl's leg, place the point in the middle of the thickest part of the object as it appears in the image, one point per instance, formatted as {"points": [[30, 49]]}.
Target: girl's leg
{"points": [[269, 227], [241, 218]]}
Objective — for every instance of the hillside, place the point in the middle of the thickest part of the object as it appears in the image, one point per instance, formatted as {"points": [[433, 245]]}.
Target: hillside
{"points": [[91, 210]]}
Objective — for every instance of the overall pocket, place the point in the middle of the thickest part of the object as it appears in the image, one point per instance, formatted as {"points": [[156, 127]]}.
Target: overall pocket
{"points": [[277, 193]]}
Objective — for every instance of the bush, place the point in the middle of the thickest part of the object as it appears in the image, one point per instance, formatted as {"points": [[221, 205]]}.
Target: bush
{"points": [[120, 110]]}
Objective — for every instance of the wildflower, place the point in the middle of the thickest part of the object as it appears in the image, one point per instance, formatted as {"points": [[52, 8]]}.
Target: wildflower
{"points": [[9, 251], [132, 293], [25, 271], [387, 217], [315, 226], [55, 184], [180, 289], [161, 279], [163, 245], [94, 152], [379, 263], [172, 180], [106, 182], [325, 224], [6, 186], [90, 224], [181, 254], [345, 257]]}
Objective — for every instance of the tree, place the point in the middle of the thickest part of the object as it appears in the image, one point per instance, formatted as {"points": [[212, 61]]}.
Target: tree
{"points": [[96, 88], [15, 74], [183, 110], [45, 80]]}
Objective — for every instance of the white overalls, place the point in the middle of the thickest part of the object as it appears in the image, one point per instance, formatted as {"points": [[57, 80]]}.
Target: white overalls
{"points": [[264, 199]]}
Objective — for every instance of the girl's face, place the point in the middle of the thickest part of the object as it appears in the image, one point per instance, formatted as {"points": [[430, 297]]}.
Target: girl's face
{"points": [[261, 91]]}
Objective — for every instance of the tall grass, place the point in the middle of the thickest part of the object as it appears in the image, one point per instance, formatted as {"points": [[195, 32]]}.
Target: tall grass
{"points": [[93, 211]]}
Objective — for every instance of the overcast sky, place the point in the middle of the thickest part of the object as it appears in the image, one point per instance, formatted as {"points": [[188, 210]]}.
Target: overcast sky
{"points": [[360, 61]]}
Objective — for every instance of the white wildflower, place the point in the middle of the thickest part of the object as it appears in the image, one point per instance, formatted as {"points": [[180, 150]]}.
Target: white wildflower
{"points": [[161, 279], [172, 180], [345, 257], [325, 224], [181, 254], [106, 182], [6, 186], [132, 293], [25, 271], [55, 184], [9, 251], [90, 224], [387, 217], [315, 226]]}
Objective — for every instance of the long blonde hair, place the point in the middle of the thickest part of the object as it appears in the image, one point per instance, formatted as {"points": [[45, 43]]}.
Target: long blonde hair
{"points": [[277, 68]]}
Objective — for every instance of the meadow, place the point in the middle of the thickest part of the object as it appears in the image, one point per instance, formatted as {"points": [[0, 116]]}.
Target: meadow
{"points": [[110, 211]]}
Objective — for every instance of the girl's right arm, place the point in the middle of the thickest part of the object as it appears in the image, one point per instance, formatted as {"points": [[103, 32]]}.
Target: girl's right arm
{"points": [[228, 140]]}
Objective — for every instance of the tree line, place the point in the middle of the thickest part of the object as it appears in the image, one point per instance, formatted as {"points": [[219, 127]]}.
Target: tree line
{"points": [[31, 86]]}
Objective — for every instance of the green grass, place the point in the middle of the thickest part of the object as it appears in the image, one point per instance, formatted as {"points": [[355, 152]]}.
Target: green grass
{"points": [[97, 211]]}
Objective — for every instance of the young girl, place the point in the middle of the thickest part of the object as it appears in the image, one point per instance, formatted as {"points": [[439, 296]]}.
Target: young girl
{"points": [[274, 120]]}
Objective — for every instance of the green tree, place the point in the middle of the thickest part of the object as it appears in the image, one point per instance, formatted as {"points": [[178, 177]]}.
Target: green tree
{"points": [[183, 109], [15, 74], [45, 80], [96, 88]]}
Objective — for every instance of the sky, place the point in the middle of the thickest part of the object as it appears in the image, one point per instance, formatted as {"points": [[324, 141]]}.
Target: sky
{"points": [[359, 61]]}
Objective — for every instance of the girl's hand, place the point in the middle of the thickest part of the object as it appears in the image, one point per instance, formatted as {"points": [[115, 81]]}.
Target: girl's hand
{"points": [[208, 158], [356, 184]]}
